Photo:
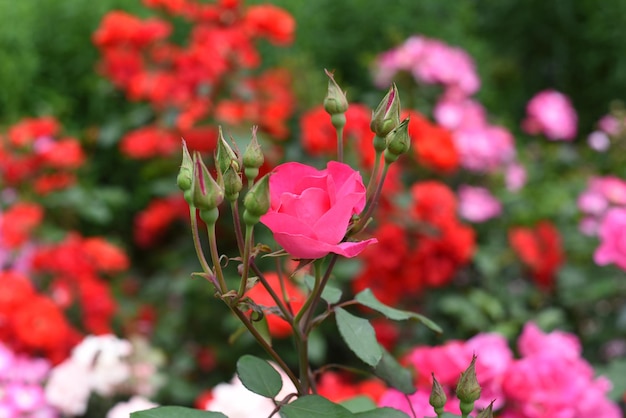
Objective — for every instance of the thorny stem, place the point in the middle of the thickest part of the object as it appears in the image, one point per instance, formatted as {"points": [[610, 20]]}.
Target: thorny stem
{"points": [[247, 244], [234, 206], [268, 349], [216, 258], [196, 240]]}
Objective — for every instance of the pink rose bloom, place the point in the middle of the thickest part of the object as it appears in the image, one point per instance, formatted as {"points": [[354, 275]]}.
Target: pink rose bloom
{"points": [[534, 341], [552, 114], [614, 189], [447, 362], [484, 149], [459, 113], [612, 233], [609, 125], [311, 209], [477, 204]]}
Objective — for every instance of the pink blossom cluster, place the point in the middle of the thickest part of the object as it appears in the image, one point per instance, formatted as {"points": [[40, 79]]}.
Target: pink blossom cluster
{"points": [[483, 147], [21, 386], [430, 61], [551, 113], [603, 205], [549, 380], [477, 204]]}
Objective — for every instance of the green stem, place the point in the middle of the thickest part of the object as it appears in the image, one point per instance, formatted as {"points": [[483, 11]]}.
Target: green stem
{"points": [[196, 240], [268, 348], [288, 315], [370, 209], [374, 176], [305, 324], [340, 144], [247, 245], [234, 206], [216, 258]]}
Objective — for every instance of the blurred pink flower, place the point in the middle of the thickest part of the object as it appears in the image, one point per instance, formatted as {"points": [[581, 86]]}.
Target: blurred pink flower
{"points": [[484, 149], [477, 204], [459, 113], [430, 61], [493, 360], [534, 341], [551, 113], [612, 231], [515, 176], [446, 362], [599, 141]]}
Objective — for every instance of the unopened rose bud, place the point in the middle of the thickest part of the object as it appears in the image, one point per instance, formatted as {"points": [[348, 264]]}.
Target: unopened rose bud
{"points": [[335, 101], [185, 174], [206, 194], [437, 397], [387, 115], [487, 412], [225, 156], [398, 142], [253, 157], [232, 184], [257, 201], [468, 389]]}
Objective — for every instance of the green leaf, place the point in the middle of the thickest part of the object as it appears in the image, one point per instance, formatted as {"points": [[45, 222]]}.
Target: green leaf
{"points": [[394, 374], [330, 293], [359, 404], [359, 335], [176, 412], [382, 413], [314, 406], [367, 298], [615, 371], [259, 376]]}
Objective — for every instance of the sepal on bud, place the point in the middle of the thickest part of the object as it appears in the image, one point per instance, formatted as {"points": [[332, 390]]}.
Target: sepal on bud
{"points": [[387, 115], [398, 142], [225, 156], [468, 388], [487, 412], [335, 101], [437, 397], [257, 201], [206, 194], [232, 184], [185, 174], [253, 157]]}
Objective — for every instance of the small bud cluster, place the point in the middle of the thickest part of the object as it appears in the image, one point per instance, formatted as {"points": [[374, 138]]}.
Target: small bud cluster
{"points": [[392, 135], [206, 193]]}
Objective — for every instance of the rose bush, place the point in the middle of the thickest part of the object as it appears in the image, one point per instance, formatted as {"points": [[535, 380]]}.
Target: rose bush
{"points": [[311, 209]]}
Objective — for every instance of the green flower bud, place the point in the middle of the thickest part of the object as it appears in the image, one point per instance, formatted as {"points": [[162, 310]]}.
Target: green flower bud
{"points": [[487, 412], [468, 389], [387, 115], [253, 157], [335, 101], [257, 201], [206, 194], [232, 184], [437, 397], [398, 142], [185, 174], [225, 156]]}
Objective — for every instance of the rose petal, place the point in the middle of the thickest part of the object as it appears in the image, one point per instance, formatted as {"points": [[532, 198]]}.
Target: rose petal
{"points": [[308, 207], [276, 221], [332, 226]]}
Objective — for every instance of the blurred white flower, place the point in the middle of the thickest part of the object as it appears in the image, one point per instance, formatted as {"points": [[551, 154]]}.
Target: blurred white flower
{"points": [[135, 404]]}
